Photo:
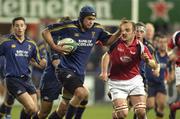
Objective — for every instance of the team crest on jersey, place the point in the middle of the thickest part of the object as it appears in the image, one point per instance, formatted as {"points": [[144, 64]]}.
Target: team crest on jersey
{"points": [[93, 34], [13, 46], [76, 34], [29, 47], [125, 59]]}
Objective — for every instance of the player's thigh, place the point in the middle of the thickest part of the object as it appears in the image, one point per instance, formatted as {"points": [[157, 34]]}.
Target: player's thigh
{"points": [[2, 93], [34, 97], [119, 102], [161, 98], [27, 101]]}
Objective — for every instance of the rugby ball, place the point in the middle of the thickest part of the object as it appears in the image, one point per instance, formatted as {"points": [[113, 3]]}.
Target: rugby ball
{"points": [[69, 44]]}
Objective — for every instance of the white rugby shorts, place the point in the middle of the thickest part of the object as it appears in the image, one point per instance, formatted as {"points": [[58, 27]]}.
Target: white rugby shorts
{"points": [[177, 75], [124, 88]]}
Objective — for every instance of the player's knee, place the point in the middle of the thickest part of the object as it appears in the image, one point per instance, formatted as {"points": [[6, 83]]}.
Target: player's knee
{"points": [[120, 112], [81, 93], [84, 103], [140, 110], [150, 106], [32, 109]]}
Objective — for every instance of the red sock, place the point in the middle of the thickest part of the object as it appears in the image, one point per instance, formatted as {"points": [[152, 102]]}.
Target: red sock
{"points": [[175, 106]]}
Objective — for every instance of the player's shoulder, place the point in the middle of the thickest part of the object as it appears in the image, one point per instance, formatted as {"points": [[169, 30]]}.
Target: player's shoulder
{"points": [[62, 25], [98, 25], [5, 38], [30, 40], [149, 45]]}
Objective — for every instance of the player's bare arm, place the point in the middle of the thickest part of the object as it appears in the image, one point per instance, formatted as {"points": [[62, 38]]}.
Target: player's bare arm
{"points": [[48, 38], [104, 67], [41, 65], [114, 37]]}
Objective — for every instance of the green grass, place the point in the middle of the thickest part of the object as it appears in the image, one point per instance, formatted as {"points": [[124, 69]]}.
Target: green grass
{"points": [[99, 111]]}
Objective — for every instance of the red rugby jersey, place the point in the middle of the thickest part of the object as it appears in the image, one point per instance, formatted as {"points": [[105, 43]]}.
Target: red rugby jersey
{"points": [[125, 60]]}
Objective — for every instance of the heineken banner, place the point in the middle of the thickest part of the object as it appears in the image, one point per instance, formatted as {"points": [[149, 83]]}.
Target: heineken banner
{"points": [[149, 10]]}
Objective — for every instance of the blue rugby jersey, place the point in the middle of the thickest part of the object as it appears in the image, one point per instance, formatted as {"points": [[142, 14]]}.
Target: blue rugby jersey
{"points": [[86, 39], [164, 66], [2, 67], [18, 55]]}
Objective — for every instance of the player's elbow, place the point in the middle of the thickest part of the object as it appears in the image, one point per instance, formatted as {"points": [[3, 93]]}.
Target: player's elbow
{"points": [[44, 33]]}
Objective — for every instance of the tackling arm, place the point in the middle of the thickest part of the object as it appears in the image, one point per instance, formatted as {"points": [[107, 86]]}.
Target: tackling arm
{"points": [[113, 38]]}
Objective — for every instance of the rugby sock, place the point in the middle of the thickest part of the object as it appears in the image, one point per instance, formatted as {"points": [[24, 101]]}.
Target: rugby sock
{"points": [[172, 114], [54, 115], [81, 109], [24, 115], [35, 116], [8, 105], [79, 112], [70, 111], [175, 106], [2, 110]]}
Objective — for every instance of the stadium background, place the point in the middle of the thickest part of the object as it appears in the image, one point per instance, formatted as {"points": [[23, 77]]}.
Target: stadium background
{"points": [[39, 13]]}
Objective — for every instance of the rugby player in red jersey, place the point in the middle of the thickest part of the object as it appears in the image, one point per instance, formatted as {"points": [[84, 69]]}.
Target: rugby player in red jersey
{"points": [[125, 80]]}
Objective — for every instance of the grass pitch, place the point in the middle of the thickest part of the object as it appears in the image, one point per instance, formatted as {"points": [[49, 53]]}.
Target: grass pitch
{"points": [[100, 111]]}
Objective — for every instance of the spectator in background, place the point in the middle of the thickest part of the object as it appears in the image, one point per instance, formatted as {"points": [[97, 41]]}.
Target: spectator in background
{"points": [[150, 31]]}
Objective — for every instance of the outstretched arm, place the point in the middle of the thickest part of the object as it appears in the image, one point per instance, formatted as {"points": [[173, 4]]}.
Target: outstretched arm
{"points": [[114, 37]]}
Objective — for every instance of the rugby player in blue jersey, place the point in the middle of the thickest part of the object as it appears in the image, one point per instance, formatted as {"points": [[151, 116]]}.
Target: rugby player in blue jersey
{"points": [[71, 70], [19, 51], [156, 84], [50, 87]]}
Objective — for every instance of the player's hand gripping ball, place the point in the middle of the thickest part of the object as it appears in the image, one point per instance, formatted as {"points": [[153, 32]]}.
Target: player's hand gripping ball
{"points": [[68, 44]]}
